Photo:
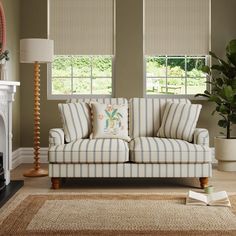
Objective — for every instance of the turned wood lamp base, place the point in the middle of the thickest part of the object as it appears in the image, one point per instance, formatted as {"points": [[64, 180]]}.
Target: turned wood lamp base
{"points": [[36, 173], [36, 50]]}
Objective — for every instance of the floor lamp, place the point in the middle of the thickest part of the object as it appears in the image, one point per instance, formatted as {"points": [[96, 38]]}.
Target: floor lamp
{"points": [[36, 51]]}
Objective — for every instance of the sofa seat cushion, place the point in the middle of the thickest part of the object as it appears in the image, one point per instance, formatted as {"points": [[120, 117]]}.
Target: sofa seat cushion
{"points": [[90, 151], [161, 150]]}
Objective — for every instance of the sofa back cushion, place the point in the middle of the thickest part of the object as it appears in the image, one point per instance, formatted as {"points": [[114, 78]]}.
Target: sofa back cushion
{"points": [[76, 120], [76, 116], [145, 115], [113, 101]]}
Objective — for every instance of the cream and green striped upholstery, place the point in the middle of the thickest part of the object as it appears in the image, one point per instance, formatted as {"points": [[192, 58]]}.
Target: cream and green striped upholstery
{"points": [[129, 170], [76, 120], [90, 151], [154, 157], [162, 150], [76, 116], [201, 136], [56, 137], [145, 115], [179, 121], [117, 101]]}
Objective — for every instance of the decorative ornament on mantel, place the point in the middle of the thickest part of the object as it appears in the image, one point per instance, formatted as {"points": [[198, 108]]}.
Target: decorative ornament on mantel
{"points": [[4, 54], [3, 66]]}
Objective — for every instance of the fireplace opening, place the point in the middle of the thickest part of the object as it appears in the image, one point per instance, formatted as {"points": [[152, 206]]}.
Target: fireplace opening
{"points": [[2, 177], [3, 152]]}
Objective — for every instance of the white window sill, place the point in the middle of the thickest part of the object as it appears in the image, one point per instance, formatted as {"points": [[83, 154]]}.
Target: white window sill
{"points": [[190, 97], [65, 97]]}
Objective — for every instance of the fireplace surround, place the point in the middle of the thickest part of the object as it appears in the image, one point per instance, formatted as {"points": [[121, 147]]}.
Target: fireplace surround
{"points": [[7, 92]]}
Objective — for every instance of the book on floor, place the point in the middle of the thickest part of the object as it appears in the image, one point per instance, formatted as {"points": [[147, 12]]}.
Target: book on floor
{"points": [[213, 199]]}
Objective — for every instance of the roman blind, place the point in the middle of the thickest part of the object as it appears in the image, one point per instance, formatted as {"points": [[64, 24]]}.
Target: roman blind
{"points": [[82, 27], [176, 27]]}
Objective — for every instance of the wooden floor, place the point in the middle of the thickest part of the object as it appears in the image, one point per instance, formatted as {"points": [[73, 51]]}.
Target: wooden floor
{"points": [[220, 180]]}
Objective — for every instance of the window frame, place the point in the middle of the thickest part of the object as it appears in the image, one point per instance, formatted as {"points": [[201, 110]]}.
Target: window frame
{"points": [[188, 96], [51, 96]]}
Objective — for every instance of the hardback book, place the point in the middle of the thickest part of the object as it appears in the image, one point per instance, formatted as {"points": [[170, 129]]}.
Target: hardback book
{"points": [[213, 199]]}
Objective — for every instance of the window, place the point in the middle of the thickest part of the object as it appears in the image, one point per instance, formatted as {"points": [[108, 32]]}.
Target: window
{"points": [[173, 29], [175, 75], [81, 75], [83, 34]]}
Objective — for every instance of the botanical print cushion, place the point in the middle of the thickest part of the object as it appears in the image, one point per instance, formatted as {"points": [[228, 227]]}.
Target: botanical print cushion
{"points": [[76, 120], [179, 121], [109, 121]]}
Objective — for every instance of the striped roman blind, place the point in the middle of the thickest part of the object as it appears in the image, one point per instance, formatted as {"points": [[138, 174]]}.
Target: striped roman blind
{"points": [[82, 27], [177, 27]]}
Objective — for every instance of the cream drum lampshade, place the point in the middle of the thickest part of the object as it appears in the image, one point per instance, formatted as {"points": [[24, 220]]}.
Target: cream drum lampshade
{"points": [[36, 50]]}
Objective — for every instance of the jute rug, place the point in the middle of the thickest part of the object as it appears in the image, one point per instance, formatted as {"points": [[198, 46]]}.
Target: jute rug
{"points": [[114, 214]]}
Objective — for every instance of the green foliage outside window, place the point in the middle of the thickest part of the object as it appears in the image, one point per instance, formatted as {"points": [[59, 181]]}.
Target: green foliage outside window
{"points": [[179, 72], [82, 75]]}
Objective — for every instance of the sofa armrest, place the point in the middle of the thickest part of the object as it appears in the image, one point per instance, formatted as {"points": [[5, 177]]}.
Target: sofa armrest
{"points": [[56, 137], [201, 136]]}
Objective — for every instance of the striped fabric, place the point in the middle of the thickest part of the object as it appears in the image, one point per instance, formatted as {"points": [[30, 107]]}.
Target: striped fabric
{"points": [[90, 151], [201, 136], [116, 101], [76, 120], [56, 137], [179, 121], [128, 170], [106, 158], [145, 115], [161, 150]]}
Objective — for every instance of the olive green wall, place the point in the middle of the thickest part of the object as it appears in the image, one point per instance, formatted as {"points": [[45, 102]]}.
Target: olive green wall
{"points": [[129, 49], [12, 12], [223, 24], [222, 31], [128, 64], [34, 25]]}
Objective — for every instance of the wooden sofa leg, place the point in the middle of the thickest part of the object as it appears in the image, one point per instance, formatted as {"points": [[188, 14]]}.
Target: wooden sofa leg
{"points": [[203, 182], [55, 183]]}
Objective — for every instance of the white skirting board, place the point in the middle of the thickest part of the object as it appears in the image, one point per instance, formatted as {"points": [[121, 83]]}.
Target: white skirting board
{"points": [[26, 155]]}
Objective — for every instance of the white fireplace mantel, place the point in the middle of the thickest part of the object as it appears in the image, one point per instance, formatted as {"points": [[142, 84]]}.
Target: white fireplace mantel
{"points": [[7, 92]]}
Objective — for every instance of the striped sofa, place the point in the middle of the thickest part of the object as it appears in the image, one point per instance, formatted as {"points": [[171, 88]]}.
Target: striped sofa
{"points": [[145, 156]]}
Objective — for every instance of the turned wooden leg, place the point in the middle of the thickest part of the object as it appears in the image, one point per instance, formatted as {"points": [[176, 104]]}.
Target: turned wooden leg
{"points": [[203, 182], [55, 183]]}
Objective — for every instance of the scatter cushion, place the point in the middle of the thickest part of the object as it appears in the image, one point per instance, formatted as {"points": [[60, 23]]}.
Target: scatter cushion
{"points": [[109, 121], [145, 115], [76, 120], [179, 121]]}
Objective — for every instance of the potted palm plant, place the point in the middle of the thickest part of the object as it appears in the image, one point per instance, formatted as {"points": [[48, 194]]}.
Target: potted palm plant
{"points": [[223, 94]]}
